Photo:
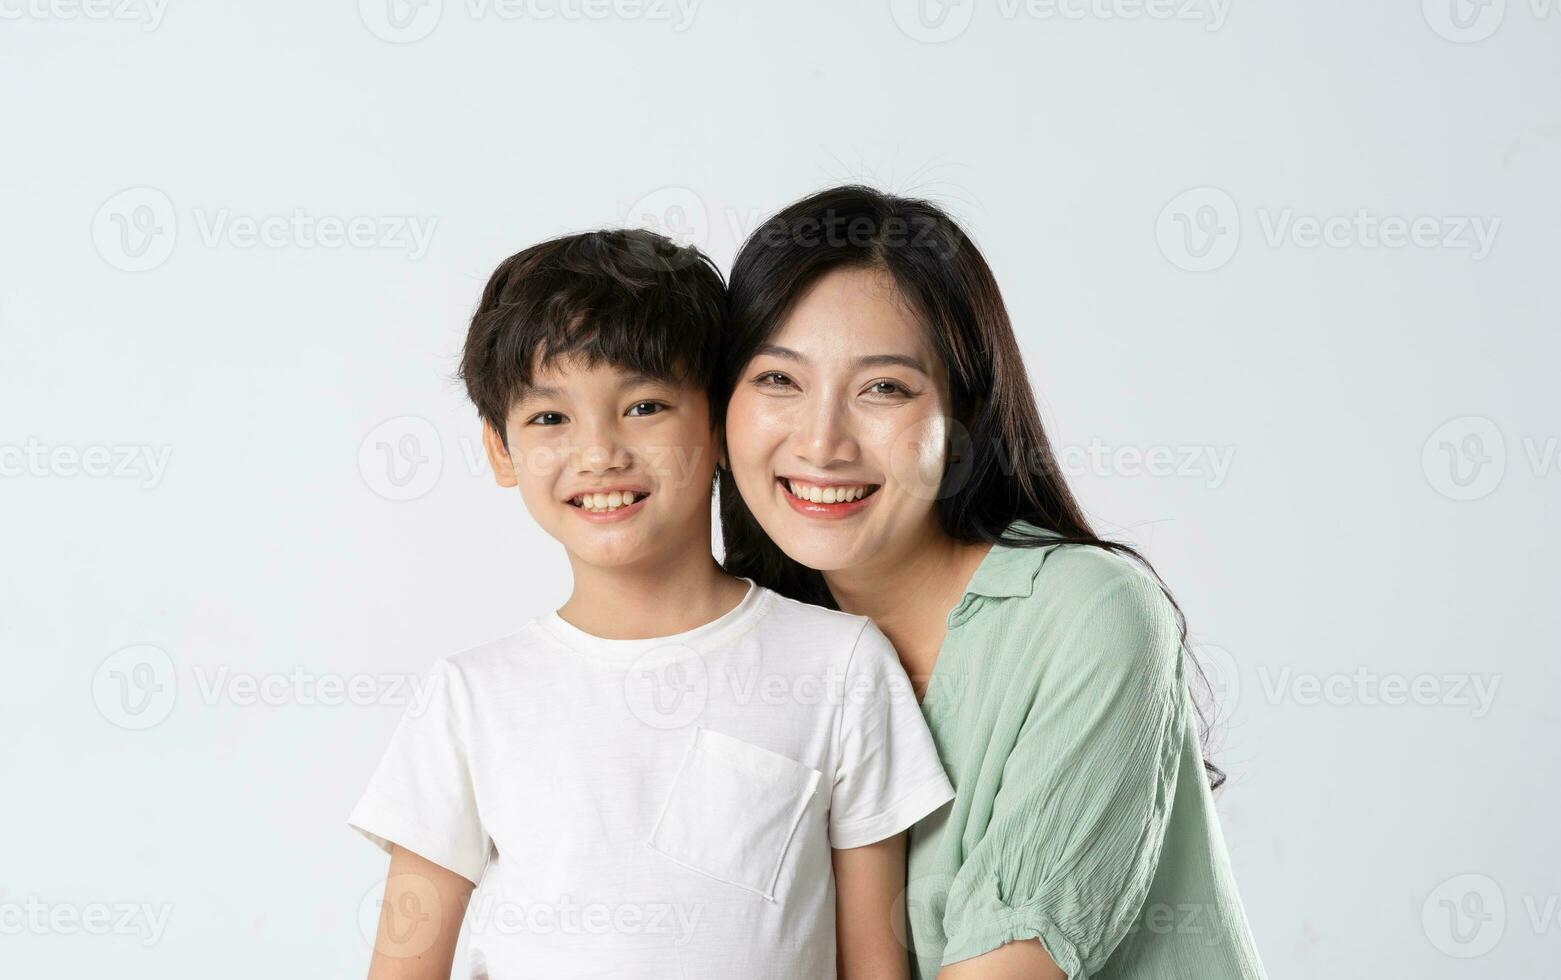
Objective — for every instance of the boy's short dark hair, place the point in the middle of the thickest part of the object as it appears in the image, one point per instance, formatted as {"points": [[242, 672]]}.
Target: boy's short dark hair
{"points": [[629, 297]]}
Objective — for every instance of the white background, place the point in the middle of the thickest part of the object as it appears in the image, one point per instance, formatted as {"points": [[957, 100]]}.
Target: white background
{"points": [[1386, 416]]}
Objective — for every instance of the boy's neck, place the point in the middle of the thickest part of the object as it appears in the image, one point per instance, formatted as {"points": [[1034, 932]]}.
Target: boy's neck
{"points": [[641, 602]]}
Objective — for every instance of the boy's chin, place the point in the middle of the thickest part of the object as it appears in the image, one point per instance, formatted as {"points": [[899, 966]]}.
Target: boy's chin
{"points": [[612, 546]]}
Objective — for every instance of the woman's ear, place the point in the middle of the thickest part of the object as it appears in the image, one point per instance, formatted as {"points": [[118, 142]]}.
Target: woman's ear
{"points": [[498, 457]]}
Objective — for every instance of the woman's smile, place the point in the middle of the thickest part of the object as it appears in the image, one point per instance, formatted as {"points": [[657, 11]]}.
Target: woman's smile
{"points": [[826, 501]]}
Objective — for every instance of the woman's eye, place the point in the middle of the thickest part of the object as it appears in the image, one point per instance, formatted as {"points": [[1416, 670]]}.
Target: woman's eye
{"points": [[890, 388], [547, 418], [649, 408], [772, 379]]}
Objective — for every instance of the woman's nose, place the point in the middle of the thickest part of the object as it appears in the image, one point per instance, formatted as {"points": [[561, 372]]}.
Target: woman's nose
{"points": [[824, 435]]}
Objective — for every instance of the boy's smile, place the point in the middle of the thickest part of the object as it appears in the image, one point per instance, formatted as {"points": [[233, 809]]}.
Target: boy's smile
{"points": [[612, 503]]}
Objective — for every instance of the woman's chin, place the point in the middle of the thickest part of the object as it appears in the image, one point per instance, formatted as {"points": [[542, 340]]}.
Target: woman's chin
{"points": [[831, 548]]}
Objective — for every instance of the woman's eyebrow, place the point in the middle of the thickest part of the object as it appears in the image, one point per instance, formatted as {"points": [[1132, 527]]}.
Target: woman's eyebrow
{"points": [[866, 360]]}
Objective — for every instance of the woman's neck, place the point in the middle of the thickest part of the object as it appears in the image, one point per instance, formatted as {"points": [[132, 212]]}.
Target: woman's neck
{"points": [[909, 594]]}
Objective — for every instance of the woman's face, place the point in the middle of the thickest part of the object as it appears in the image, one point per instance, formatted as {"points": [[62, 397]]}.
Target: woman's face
{"points": [[837, 430]]}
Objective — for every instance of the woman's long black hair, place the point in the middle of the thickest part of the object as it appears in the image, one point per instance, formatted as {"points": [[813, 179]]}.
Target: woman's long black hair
{"points": [[1005, 469]]}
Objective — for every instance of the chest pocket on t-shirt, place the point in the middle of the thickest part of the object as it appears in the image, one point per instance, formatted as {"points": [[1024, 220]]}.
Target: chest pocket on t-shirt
{"points": [[733, 810]]}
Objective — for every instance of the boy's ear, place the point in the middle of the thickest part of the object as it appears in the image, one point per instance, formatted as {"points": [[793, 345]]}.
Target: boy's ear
{"points": [[498, 457]]}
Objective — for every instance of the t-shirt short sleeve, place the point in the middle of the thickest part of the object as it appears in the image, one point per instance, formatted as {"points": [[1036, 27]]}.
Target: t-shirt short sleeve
{"points": [[1076, 826], [888, 776], [421, 795]]}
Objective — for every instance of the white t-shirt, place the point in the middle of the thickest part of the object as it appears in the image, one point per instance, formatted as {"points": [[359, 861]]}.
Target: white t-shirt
{"points": [[659, 808]]}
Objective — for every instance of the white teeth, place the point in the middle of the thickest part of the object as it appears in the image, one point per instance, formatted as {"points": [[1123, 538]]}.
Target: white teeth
{"points": [[826, 495], [605, 501]]}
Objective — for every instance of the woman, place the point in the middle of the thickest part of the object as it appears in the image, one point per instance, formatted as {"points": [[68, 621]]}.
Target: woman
{"points": [[884, 455]]}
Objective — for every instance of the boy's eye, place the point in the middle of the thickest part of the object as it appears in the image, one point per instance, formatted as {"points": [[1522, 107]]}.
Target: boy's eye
{"points": [[645, 408], [546, 418], [772, 379]]}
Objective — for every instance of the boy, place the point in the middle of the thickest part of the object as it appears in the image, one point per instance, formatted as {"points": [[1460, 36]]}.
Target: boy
{"points": [[677, 774]]}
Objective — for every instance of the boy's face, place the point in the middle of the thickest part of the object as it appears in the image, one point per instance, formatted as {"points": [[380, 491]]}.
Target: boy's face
{"points": [[617, 437]]}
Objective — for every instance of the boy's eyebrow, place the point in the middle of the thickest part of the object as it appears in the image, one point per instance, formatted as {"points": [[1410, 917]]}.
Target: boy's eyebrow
{"points": [[866, 360], [629, 381]]}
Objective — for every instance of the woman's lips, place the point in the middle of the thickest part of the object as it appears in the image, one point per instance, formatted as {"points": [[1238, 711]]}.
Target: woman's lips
{"points": [[808, 508]]}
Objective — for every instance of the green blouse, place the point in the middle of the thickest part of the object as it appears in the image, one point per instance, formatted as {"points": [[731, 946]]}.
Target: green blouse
{"points": [[1082, 816]]}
